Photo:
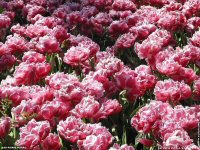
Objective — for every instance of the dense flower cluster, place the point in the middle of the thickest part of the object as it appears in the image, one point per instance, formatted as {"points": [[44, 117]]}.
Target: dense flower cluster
{"points": [[100, 74]]}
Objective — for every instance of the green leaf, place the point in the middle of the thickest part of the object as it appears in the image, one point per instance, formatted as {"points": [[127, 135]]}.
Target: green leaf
{"points": [[1, 146], [124, 137], [1, 10]]}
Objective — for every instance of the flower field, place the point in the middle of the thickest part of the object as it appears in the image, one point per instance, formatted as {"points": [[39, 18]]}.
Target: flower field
{"points": [[100, 74]]}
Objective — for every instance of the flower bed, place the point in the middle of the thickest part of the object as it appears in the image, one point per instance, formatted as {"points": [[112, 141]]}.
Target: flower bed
{"points": [[100, 74]]}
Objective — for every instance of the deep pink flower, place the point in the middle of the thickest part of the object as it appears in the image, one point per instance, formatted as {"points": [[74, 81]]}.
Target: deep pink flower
{"points": [[101, 18], [60, 33], [5, 124], [148, 13]]}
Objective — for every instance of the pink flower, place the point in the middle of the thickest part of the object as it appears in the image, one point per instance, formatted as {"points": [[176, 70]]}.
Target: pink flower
{"points": [[191, 8], [48, 44], [123, 147], [146, 142], [33, 133], [76, 55], [126, 40], [55, 110], [33, 57], [110, 65], [185, 74], [176, 139], [171, 90], [109, 107], [25, 111], [100, 138], [148, 117], [118, 27], [72, 129], [123, 5], [153, 44], [5, 124], [59, 80], [31, 73], [172, 20], [7, 61], [15, 94], [5, 21], [93, 87], [35, 30], [32, 10], [87, 108], [195, 39], [92, 46], [94, 142], [52, 141], [196, 90], [126, 79], [16, 44], [145, 77], [193, 24], [60, 33], [143, 30], [165, 62]]}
